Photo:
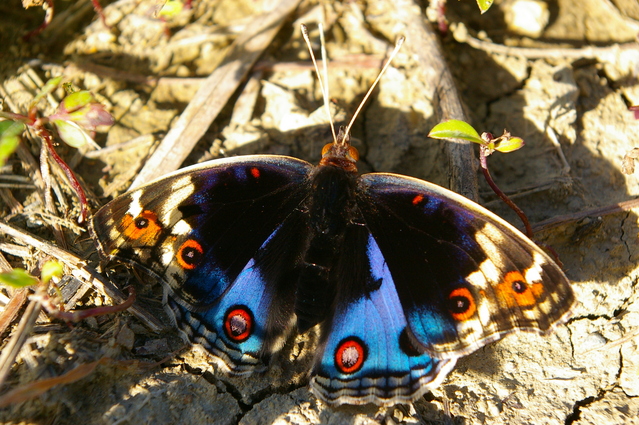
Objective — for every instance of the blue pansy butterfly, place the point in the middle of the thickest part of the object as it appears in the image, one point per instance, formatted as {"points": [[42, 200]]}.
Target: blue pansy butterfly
{"points": [[402, 276]]}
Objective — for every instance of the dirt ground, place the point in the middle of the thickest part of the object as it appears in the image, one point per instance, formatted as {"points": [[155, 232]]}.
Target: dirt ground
{"points": [[577, 85]]}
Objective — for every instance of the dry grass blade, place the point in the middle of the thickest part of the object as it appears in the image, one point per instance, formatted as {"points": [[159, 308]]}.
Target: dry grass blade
{"points": [[545, 225], [214, 93], [591, 52], [19, 336], [10, 311]]}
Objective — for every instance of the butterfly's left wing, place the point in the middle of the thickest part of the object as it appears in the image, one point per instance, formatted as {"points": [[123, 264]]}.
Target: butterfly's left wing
{"points": [[222, 237], [464, 277]]}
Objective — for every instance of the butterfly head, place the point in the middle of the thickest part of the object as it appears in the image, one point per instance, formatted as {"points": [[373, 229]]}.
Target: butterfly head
{"points": [[341, 153]]}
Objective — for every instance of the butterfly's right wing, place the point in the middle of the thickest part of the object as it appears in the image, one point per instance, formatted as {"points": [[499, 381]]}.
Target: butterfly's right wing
{"points": [[464, 276], [223, 237]]}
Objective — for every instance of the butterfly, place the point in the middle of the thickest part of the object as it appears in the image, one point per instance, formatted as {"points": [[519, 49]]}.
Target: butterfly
{"points": [[401, 277]]}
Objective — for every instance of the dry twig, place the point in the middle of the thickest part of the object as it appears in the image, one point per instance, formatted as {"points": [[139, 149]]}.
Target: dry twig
{"points": [[214, 93]]}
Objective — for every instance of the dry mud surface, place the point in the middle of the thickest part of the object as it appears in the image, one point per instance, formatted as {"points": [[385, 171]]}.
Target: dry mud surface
{"points": [[146, 70]]}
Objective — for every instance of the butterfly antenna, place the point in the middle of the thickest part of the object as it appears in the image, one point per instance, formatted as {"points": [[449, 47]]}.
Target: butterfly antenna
{"points": [[317, 71], [398, 45]]}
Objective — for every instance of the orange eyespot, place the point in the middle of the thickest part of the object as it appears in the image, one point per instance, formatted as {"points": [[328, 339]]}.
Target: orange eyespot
{"points": [[353, 153], [190, 254], [326, 148], [145, 228], [462, 304], [515, 291]]}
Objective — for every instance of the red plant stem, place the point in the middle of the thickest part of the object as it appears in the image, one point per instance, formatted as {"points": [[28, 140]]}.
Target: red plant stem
{"points": [[77, 315], [67, 171], [48, 9], [502, 195], [16, 117], [98, 9]]}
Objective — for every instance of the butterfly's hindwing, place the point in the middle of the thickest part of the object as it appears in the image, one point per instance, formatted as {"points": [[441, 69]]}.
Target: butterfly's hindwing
{"points": [[247, 324], [366, 355], [464, 276]]}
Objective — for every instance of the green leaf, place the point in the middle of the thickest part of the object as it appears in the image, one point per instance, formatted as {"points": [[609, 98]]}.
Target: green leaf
{"points": [[76, 101], [49, 86], [82, 109], [11, 128], [18, 278], [51, 269], [71, 133], [171, 8], [455, 129], [10, 132], [484, 5], [509, 144]]}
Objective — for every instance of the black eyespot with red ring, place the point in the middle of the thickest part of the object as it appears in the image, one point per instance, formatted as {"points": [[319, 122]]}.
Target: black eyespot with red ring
{"points": [[238, 323], [350, 355]]}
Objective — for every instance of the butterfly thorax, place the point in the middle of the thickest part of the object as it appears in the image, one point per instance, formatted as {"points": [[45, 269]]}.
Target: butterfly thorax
{"points": [[332, 208]]}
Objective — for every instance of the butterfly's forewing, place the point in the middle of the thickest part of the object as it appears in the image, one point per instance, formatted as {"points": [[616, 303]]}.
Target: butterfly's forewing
{"points": [[464, 276], [222, 237], [366, 355]]}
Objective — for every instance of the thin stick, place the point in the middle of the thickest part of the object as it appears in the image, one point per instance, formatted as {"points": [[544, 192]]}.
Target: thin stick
{"points": [[214, 93], [19, 336], [12, 308], [569, 218], [425, 49]]}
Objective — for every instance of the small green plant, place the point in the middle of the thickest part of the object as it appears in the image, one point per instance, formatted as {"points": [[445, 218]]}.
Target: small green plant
{"points": [[20, 278], [77, 115], [484, 5], [171, 8], [10, 132], [455, 129]]}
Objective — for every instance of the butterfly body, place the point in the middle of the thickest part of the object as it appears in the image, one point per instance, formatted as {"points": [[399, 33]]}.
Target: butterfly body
{"points": [[403, 276]]}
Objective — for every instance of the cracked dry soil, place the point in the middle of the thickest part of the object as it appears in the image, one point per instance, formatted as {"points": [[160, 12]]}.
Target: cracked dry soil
{"points": [[587, 372]]}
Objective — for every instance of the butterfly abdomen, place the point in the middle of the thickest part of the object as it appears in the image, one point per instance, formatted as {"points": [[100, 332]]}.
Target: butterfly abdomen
{"points": [[331, 209]]}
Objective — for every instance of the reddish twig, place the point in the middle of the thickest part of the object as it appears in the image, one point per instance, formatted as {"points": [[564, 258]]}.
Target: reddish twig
{"points": [[483, 153], [100, 11], [48, 140], [47, 6], [76, 315]]}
